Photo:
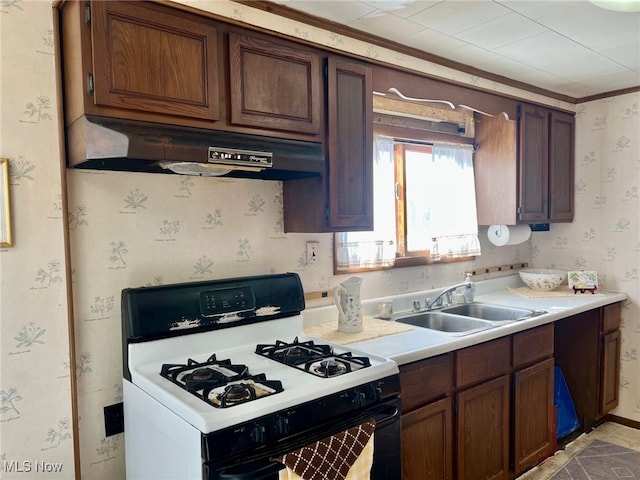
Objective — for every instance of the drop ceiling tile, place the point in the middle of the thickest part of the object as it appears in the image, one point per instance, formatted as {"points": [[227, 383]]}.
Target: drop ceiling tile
{"points": [[610, 35], [455, 16], [537, 8], [433, 42], [578, 90], [600, 67], [613, 81], [500, 31], [507, 67], [546, 51], [348, 11], [386, 26], [402, 8], [586, 17]]}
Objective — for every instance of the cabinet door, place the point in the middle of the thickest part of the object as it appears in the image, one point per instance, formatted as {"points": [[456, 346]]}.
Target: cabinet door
{"points": [[561, 167], [534, 164], [495, 170], [154, 59], [533, 415], [482, 440], [427, 442], [610, 368], [274, 86], [350, 146]]}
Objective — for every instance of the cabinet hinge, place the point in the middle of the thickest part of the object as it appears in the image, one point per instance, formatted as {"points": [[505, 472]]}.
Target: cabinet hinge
{"points": [[90, 84], [518, 210], [397, 187], [87, 14]]}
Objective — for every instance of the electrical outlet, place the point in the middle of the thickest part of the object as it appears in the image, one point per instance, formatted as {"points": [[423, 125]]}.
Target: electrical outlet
{"points": [[113, 419], [312, 252]]}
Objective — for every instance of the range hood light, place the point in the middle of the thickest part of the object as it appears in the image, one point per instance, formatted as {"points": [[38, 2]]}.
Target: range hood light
{"points": [[192, 168]]}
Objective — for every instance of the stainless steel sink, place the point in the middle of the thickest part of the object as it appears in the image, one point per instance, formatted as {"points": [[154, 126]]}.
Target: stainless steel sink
{"points": [[446, 322], [493, 313]]}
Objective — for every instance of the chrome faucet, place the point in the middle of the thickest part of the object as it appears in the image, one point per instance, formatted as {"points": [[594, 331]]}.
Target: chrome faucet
{"points": [[446, 295]]}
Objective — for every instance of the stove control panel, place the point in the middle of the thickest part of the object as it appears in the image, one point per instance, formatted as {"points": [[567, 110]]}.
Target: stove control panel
{"points": [[226, 301]]}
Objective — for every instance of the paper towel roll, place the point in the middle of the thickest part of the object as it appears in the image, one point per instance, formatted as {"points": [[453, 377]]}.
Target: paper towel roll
{"points": [[501, 235]]}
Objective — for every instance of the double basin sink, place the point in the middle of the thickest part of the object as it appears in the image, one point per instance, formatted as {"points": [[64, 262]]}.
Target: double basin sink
{"points": [[467, 318]]}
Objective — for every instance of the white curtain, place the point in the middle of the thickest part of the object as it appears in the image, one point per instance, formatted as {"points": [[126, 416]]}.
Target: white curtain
{"points": [[377, 248], [454, 224]]}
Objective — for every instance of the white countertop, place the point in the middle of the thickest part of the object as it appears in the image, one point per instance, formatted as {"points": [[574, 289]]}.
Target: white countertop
{"points": [[422, 343]]}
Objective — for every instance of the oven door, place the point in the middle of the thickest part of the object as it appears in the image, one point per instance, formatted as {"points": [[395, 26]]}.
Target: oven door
{"points": [[259, 465]]}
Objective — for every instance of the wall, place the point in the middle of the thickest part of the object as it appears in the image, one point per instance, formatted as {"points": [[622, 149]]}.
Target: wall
{"points": [[605, 234], [131, 229], [35, 394]]}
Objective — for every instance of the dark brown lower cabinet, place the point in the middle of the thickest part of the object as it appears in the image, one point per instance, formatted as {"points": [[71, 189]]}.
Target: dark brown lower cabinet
{"points": [[482, 442], [533, 415], [610, 371], [486, 412], [427, 442], [587, 348]]}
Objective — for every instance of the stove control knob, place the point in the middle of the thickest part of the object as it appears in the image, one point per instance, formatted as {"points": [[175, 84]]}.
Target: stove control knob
{"points": [[282, 425], [377, 394], [258, 434], [359, 399]]}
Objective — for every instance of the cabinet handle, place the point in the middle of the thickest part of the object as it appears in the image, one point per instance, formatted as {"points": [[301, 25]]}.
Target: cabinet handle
{"points": [[87, 14], [90, 84]]}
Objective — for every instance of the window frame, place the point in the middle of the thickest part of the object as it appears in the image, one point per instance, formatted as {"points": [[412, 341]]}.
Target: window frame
{"points": [[414, 138]]}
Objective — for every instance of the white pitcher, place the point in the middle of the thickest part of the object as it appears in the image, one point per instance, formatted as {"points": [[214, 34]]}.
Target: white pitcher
{"points": [[347, 298]]}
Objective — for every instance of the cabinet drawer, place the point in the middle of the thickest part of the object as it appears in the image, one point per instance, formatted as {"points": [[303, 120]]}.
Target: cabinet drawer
{"points": [[611, 316], [425, 380], [532, 345], [483, 362]]}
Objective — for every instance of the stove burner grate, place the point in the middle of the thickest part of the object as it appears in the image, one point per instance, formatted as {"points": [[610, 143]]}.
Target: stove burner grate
{"points": [[294, 353], [219, 382], [241, 391], [317, 359]]}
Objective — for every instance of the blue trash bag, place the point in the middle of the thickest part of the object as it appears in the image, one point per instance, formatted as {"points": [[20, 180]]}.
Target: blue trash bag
{"points": [[567, 417]]}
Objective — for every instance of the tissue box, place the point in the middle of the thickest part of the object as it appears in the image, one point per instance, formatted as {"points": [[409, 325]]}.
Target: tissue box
{"points": [[583, 280]]}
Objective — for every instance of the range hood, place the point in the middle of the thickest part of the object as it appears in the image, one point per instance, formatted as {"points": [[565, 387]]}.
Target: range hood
{"points": [[105, 143]]}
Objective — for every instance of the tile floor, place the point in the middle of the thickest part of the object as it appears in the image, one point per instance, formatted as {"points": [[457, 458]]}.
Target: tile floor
{"points": [[607, 432]]}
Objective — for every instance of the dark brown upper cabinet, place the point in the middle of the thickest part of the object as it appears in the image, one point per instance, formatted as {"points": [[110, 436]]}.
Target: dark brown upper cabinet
{"points": [[342, 200], [274, 86], [350, 145], [139, 60], [525, 168]]}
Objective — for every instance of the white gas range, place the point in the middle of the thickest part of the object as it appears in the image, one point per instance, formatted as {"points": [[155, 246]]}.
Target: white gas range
{"points": [[219, 379]]}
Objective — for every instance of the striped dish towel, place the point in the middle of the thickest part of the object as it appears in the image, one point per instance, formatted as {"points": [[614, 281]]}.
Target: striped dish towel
{"points": [[345, 456]]}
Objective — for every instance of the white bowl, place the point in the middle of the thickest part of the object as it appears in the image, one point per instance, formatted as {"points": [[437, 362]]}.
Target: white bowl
{"points": [[542, 279]]}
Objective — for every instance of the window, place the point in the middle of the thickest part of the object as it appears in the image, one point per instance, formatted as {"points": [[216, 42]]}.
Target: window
{"points": [[424, 208]]}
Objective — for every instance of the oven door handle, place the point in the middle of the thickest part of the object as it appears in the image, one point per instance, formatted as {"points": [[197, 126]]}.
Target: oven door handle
{"points": [[389, 418], [257, 471]]}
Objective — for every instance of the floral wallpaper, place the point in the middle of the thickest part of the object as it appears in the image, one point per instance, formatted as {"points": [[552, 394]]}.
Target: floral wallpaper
{"points": [[35, 396], [131, 229], [605, 233]]}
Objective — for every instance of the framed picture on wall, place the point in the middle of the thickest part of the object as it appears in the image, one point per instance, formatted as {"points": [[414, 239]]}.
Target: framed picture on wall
{"points": [[5, 205]]}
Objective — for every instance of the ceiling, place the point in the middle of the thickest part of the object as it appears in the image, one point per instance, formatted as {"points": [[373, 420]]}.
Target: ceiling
{"points": [[571, 48]]}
